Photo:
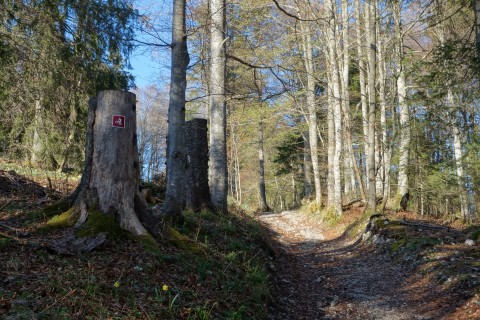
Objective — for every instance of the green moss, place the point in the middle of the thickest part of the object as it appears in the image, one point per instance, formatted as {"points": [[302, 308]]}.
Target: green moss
{"points": [[358, 226], [400, 243], [183, 242], [64, 220], [98, 222], [415, 244], [148, 243], [49, 211]]}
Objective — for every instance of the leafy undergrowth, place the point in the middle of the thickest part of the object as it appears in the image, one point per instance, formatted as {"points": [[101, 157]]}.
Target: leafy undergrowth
{"points": [[126, 278]]}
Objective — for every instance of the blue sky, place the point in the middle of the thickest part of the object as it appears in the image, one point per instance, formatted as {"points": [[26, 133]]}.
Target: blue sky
{"points": [[150, 65], [144, 68]]}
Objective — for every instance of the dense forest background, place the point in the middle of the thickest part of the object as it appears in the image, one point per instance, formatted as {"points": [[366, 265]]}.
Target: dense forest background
{"points": [[327, 101]]}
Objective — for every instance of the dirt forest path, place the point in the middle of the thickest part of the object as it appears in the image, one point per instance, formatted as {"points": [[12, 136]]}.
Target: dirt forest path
{"points": [[315, 278]]}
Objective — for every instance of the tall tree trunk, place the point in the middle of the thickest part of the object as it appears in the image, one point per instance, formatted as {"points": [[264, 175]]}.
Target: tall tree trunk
{"points": [[294, 190], [371, 41], [362, 75], [384, 146], [349, 178], [218, 113], [402, 105], [307, 49], [336, 107], [176, 153], [458, 153], [196, 177], [263, 206], [37, 143], [352, 171], [307, 166]]}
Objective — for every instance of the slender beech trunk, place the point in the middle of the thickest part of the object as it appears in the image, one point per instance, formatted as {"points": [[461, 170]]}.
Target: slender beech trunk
{"points": [[218, 116], [382, 138], [331, 141], [294, 190], [349, 151], [307, 48], [336, 107], [349, 177], [458, 153], [37, 144], [362, 76], [371, 41], [175, 193], [402, 105], [263, 206], [307, 166]]}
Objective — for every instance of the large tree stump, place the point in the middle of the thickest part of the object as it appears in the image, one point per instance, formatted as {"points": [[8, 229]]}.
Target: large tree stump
{"points": [[196, 176], [111, 176]]}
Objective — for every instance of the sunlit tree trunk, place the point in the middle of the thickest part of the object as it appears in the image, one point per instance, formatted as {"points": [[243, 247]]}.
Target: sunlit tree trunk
{"points": [[330, 142], [307, 166], [458, 153], [263, 206], [352, 171], [362, 75], [175, 193], [385, 143], [382, 135], [370, 10], [37, 143], [402, 105], [307, 49], [336, 107], [218, 179]]}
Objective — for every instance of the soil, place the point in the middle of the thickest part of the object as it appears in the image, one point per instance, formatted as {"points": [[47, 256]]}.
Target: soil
{"points": [[318, 274]]}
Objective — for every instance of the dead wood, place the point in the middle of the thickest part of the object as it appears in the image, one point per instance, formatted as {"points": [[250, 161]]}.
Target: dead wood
{"points": [[71, 245]]}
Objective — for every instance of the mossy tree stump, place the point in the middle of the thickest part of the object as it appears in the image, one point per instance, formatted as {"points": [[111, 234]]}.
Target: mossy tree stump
{"points": [[111, 175]]}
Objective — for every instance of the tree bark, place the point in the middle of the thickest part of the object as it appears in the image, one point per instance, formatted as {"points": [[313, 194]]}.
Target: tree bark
{"points": [[335, 107], [458, 154], [263, 206], [175, 193], [371, 40], [307, 165], [37, 143], [218, 114], [363, 91], [307, 49], [115, 167], [197, 189], [349, 158]]}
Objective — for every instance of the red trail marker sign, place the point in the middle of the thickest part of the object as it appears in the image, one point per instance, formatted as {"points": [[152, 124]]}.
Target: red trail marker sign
{"points": [[118, 121]]}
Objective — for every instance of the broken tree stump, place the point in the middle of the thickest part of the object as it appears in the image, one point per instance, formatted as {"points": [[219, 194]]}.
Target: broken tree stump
{"points": [[196, 176], [110, 181]]}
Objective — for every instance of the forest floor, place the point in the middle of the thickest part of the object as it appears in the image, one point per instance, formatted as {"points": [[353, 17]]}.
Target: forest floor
{"points": [[215, 269], [404, 268]]}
